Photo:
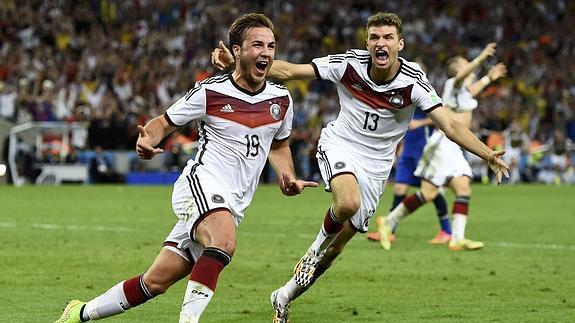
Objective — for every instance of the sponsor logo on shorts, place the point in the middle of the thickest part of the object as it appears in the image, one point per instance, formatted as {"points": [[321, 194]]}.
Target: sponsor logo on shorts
{"points": [[217, 198], [339, 165]]}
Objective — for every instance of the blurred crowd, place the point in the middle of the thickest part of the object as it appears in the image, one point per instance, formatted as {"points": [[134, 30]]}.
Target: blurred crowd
{"points": [[115, 64]]}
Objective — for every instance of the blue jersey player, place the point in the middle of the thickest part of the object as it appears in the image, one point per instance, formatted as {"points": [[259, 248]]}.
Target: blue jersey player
{"points": [[420, 128]]}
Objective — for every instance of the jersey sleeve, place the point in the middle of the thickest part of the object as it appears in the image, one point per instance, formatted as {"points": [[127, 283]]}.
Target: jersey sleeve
{"points": [[284, 131], [424, 95], [330, 68], [189, 107]]}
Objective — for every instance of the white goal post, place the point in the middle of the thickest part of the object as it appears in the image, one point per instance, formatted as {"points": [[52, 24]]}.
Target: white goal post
{"points": [[31, 135]]}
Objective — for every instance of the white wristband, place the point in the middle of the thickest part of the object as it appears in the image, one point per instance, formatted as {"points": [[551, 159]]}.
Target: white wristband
{"points": [[485, 80]]}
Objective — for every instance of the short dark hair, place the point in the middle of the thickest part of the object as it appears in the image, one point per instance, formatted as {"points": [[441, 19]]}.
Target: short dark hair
{"points": [[452, 65], [385, 19], [237, 32]]}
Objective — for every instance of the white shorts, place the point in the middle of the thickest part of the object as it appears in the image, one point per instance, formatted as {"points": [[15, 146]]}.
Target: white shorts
{"points": [[197, 194], [442, 160], [333, 161], [179, 241]]}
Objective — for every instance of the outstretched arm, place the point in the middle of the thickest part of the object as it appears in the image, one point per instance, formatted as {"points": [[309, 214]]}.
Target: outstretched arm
{"points": [[281, 161], [487, 52], [150, 136], [280, 70], [496, 72], [460, 134]]}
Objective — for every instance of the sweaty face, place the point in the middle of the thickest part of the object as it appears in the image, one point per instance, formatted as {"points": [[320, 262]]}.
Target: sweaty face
{"points": [[384, 45], [256, 56]]}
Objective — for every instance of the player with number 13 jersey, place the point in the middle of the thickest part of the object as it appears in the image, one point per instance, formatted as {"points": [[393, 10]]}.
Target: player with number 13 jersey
{"points": [[374, 116]]}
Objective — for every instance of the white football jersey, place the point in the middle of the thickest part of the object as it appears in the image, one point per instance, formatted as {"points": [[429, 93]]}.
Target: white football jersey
{"points": [[373, 117], [236, 129], [459, 99]]}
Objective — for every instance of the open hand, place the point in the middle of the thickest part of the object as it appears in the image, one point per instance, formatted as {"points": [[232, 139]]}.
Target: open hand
{"points": [[488, 51], [497, 71], [290, 186], [143, 147], [498, 166]]}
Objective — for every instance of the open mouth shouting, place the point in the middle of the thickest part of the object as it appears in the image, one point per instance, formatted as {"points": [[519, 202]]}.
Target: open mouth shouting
{"points": [[262, 66], [381, 56]]}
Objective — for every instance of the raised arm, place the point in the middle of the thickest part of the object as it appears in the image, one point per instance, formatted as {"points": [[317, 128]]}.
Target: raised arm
{"points": [[285, 71], [280, 70], [496, 72], [487, 52], [461, 135]]}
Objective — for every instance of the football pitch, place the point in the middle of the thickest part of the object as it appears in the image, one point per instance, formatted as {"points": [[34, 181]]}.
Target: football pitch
{"points": [[58, 243]]}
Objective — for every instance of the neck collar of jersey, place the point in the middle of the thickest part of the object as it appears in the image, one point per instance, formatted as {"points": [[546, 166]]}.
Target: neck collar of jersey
{"points": [[246, 91], [384, 82]]}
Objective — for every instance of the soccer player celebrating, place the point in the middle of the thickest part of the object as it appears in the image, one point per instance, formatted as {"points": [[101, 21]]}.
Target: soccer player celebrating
{"points": [[378, 93], [244, 120], [443, 162]]}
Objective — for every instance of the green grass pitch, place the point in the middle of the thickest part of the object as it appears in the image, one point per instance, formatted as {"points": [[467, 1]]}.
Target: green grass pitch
{"points": [[77, 241]]}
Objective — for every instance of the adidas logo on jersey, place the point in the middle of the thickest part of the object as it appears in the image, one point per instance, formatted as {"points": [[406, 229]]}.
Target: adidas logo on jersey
{"points": [[357, 86], [227, 108]]}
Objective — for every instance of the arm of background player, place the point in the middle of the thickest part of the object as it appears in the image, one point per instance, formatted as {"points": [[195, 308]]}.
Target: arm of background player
{"points": [[150, 136], [496, 72], [488, 51], [281, 161], [460, 134]]}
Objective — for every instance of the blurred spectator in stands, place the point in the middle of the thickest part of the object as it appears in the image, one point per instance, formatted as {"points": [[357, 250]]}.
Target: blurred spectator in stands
{"points": [[142, 54], [557, 165], [8, 97], [101, 168], [516, 145], [43, 108], [174, 159]]}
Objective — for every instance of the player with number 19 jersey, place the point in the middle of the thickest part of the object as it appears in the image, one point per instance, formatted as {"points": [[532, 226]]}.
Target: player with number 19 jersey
{"points": [[236, 129]]}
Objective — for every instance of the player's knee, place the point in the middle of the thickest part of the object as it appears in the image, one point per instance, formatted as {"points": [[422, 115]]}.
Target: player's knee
{"points": [[400, 189], [463, 191], [347, 207], [429, 194], [226, 245]]}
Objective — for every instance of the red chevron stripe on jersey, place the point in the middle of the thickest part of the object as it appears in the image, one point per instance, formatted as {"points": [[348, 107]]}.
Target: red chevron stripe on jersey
{"points": [[392, 100], [248, 114]]}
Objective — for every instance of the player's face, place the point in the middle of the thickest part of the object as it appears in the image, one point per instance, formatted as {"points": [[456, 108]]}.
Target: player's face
{"points": [[255, 56], [384, 45]]}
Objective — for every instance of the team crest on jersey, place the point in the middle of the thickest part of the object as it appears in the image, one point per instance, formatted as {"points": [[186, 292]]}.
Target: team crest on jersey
{"points": [[339, 165], [217, 198], [396, 100], [275, 111]]}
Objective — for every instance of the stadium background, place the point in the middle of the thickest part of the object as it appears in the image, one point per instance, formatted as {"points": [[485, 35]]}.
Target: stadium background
{"points": [[111, 65]]}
